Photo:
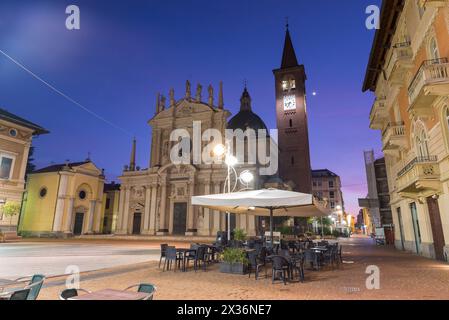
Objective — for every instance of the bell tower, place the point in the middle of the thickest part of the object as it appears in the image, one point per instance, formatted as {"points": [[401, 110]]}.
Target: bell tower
{"points": [[291, 114]]}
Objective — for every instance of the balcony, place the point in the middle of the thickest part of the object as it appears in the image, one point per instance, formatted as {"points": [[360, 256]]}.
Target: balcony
{"points": [[419, 178], [393, 138], [400, 62], [379, 113], [431, 81], [433, 3]]}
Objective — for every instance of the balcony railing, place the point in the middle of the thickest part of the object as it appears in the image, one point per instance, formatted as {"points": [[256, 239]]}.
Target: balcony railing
{"points": [[417, 160], [395, 128], [430, 71]]}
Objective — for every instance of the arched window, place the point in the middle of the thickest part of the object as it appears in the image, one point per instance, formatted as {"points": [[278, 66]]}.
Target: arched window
{"points": [[447, 117], [433, 49], [421, 144], [291, 123]]}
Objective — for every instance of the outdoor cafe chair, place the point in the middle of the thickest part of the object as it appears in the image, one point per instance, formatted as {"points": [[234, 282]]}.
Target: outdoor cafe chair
{"points": [[20, 294], [256, 262], [298, 265], [171, 256], [146, 288], [201, 258], [70, 293], [280, 269], [163, 250], [311, 257], [34, 286]]}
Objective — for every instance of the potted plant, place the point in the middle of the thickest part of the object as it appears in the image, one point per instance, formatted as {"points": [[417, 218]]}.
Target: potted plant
{"points": [[234, 260]]}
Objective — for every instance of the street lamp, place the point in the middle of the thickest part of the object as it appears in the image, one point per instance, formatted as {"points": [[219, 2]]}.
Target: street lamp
{"points": [[245, 177]]}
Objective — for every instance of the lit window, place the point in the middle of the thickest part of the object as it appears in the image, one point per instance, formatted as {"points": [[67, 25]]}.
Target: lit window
{"points": [[285, 85], [6, 164]]}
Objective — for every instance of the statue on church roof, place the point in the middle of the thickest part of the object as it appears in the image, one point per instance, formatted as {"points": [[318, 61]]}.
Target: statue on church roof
{"points": [[210, 89], [172, 97], [188, 90], [199, 90]]}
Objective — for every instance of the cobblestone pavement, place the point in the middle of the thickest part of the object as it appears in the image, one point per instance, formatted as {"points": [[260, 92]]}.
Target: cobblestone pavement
{"points": [[402, 276]]}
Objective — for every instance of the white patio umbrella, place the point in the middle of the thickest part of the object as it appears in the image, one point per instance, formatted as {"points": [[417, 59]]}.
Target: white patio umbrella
{"points": [[267, 202]]}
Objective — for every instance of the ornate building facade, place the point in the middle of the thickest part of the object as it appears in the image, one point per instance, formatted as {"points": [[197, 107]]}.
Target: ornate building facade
{"points": [[409, 73], [157, 200], [16, 135]]}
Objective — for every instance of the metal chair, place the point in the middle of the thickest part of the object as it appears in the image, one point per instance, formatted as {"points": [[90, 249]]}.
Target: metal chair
{"points": [[163, 249], [171, 256], [20, 295], [146, 288], [35, 286], [70, 293], [280, 267]]}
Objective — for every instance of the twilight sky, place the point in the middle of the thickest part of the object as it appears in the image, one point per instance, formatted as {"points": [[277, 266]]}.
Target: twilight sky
{"points": [[127, 51]]}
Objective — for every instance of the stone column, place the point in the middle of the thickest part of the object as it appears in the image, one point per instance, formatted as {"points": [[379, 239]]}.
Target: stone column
{"points": [[152, 225], [216, 213], [191, 231], [126, 212], [23, 168], [163, 210], [91, 216], [98, 217], [68, 221], [60, 202], [251, 225], [206, 212], [118, 227], [146, 220]]}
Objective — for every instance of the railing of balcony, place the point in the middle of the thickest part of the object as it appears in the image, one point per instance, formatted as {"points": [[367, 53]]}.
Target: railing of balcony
{"points": [[378, 103], [433, 69], [397, 127], [416, 161]]}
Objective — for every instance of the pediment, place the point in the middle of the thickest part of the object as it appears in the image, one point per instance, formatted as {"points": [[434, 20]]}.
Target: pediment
{"points": [[88, 167]]}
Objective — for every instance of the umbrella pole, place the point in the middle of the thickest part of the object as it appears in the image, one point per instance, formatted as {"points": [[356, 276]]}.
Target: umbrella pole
{"points": [[271, 227]]}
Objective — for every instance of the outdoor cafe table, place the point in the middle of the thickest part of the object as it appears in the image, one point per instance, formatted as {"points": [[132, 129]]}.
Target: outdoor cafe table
{"points": [[183, 252], [110, 294]]}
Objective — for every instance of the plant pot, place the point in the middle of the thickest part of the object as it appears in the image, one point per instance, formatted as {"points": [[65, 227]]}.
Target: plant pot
{"points": [[233, 268]]}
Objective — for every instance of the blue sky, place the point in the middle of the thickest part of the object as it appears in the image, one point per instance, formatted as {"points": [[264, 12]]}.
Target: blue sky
{"points": [[127, 51]]}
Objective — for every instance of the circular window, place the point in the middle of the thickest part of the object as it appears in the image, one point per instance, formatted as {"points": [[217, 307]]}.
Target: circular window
{"points": [[82, 194], [13, 132], [43, 192]]}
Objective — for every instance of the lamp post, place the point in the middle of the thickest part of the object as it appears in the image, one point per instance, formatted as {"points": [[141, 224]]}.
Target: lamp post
{"points": [[245, 177]]}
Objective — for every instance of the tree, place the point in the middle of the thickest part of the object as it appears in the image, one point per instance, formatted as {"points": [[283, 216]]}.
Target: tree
{"points": [[11, 209], [30, 165]]}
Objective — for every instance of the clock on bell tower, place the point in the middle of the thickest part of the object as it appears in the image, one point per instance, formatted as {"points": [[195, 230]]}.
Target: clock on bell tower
{"points": [[291, 114]]}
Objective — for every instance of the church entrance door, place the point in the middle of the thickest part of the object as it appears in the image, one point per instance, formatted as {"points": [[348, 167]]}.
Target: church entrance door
{"points": [[137, 222], [78, 227], [180, 218]]}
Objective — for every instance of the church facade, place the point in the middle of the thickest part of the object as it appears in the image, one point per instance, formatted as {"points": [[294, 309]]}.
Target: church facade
{"points": [[157, 200]]}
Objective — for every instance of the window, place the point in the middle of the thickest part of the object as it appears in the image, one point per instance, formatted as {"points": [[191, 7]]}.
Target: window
{"points": [[421, 144], [433, 50], [82, 194], [108, 203], [332, 194], [421, 8], [13, 132], [288, 85], [6, 166], [43, 192], [293, 161], [447, 117], [332, 205], [331, 184], [314, 183], [291, 123]]}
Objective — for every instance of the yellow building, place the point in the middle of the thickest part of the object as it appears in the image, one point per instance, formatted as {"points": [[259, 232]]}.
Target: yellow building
{"points": [[111, 197], [409, 73], [63, 200], [15, 141]]}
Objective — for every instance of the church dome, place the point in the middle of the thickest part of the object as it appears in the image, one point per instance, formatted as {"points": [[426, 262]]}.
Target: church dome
{"points": [[246, 118]]}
